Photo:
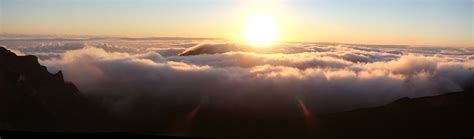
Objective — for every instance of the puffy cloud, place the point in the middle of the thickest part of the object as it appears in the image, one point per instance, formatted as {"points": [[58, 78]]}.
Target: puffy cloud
{"points": [[327, 82], [150, 88], [328, 77]]}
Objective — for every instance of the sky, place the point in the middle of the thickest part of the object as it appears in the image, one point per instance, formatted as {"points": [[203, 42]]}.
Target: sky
{"points": [[409, 22]]}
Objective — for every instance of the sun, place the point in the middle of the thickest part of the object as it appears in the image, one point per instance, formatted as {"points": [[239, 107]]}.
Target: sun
{"points": [[261, 31]]}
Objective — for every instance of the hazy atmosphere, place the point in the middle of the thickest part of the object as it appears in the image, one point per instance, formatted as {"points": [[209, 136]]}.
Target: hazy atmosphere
{"points": [[408, 22], [236, 68]]}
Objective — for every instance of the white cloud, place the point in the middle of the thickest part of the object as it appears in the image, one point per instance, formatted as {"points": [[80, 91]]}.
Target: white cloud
{"points": [[329, 77], [327, 81]]}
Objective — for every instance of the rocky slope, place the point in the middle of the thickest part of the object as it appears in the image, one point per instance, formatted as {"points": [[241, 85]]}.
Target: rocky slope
{"points": [[31, 98], [444, 116]]}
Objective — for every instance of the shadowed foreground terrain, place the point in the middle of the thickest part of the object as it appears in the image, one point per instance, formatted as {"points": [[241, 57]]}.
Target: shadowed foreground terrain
{"points": [[31, 98], [39, 103]]}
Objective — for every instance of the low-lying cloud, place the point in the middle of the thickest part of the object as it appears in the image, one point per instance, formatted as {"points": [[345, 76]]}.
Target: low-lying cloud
{"points": [[328, 83], [328, 77]]}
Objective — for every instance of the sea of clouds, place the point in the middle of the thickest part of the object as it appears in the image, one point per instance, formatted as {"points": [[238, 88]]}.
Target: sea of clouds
{"points": [[326, 76]]}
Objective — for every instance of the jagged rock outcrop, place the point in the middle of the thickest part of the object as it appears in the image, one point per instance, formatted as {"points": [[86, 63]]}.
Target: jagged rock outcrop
{"points": [[31, 98]]}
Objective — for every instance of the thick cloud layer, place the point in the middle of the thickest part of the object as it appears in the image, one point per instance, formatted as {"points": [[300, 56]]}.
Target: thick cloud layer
{"points": [[328, 77]]}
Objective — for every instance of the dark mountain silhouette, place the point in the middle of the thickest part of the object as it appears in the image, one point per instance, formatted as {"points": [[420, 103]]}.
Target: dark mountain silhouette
{"points": [[35, 101], [213, 49], [444, 116], [223, 48]]}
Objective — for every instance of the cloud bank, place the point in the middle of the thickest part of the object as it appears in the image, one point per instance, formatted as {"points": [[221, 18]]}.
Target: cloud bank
{"points": [[328, 78]]}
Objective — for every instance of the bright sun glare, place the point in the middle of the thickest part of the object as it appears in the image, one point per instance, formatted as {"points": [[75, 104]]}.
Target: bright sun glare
{"points": [[261, 31]]}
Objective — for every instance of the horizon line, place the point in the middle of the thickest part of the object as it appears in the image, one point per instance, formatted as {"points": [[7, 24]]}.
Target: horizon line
{"points": [[84, 37]]}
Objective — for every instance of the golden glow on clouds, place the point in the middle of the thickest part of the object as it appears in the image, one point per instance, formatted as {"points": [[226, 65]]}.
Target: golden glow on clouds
{"points": [[261, 31]]}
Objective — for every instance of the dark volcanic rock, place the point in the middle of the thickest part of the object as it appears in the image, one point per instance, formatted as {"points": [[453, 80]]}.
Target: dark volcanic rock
{"points": [[31, 98]]}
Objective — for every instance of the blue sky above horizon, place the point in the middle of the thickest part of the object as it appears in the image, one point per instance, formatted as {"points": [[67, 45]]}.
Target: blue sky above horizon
{"points": [[412, 22]]}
